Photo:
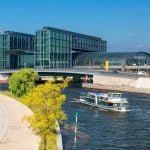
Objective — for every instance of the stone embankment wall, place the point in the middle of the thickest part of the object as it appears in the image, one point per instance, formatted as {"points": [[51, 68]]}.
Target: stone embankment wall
{"points": [[142, 83], [131, 82], [59, 138]]}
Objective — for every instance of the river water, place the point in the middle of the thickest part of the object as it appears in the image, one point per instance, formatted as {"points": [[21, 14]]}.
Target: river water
{"points": [[3, 87], [105, 130]]}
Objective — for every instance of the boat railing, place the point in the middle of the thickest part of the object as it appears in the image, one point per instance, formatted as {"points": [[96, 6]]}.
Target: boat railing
{"points": [[125, 100]]}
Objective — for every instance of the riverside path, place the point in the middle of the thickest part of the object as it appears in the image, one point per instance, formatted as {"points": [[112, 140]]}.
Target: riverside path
{"points": [[15, 133], [3, 121]]}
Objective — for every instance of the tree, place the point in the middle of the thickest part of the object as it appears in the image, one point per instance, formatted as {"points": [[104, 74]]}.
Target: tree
{"points": [[22, 81], [45, 101], [55, 78], [76, 79]]}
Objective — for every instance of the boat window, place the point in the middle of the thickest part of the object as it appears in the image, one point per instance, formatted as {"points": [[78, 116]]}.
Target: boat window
{"points": [[99, 102], [115, 105], [110, 104], [99, 98], [89, 95], [103, 103], [90, 100], [110, 95], [116, 95], [124, 105], [92, 96], [118, 104], [83, 94]]}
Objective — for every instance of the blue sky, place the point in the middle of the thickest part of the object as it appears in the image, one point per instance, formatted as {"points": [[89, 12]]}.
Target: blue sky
{"points": [[125, 24]]}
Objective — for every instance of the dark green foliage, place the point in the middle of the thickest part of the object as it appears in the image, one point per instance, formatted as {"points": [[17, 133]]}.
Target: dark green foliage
{"points": [[76, 80], [55, 78], [22, 81]]}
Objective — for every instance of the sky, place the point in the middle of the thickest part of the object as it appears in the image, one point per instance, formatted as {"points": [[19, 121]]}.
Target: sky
{"points": [[124, 24]]}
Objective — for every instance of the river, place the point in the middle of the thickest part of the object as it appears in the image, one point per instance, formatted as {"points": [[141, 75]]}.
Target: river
{"points": [[99, 129], [105, 130]]}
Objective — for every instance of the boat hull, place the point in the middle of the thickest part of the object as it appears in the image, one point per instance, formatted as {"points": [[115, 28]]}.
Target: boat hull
{"points": [[101, 107]]}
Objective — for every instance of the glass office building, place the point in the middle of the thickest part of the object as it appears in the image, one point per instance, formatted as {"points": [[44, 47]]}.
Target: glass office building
{"points": [[54, 48], [86, 43], [16, 50], [115, 59], [49, 48]]}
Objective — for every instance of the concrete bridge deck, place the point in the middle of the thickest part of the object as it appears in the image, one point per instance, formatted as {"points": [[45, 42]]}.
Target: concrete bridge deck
{"points": [[76, 71]]}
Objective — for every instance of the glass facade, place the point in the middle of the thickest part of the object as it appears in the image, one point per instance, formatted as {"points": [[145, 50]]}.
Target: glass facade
{"points": [[16, 50], [4, 59], [87, 43], [49, 48], [54, 48], [115, 59]]}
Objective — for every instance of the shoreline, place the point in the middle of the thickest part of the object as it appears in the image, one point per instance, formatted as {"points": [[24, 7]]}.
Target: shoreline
{"points": [[116, 88]]}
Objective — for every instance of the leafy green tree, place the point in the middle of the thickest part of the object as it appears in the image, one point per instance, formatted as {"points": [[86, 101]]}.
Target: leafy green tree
{"points": [[22, 81], [45, 101], [76, 79], [55, 78], [64, 77]]}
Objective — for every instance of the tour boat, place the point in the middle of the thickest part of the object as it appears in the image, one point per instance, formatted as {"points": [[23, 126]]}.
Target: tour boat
{"points": [[107, 101]]}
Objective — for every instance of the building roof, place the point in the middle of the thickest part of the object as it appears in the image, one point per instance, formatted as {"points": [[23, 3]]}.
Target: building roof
{"points": [[115, 58], [70, 32]]}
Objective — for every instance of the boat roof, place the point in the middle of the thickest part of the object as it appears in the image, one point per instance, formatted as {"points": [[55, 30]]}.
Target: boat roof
{"points": [[114, 93], [101, 94]]}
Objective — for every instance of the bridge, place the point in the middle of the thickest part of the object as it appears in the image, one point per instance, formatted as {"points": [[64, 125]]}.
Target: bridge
{"points": [[74, 72], [134, 68], [102, 77]]}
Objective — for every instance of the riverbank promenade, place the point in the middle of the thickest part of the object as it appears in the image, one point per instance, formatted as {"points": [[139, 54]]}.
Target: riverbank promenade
{"points": [[15, 133], [116, 88]]}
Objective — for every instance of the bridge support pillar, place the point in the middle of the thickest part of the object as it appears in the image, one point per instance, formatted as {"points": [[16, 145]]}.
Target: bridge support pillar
{"points": [[86, 78], [123, 68]]}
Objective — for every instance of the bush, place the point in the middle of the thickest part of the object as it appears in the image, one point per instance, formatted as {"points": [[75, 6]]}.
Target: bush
{"points": [[22, 81]]}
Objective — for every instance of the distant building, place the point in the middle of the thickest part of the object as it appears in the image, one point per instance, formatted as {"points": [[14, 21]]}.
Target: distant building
{"points": [[16, 50], [56, 48]]}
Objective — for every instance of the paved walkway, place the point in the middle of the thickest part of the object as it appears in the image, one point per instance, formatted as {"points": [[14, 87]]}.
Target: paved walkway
{"points": [[3, 121], [17, 136]]}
